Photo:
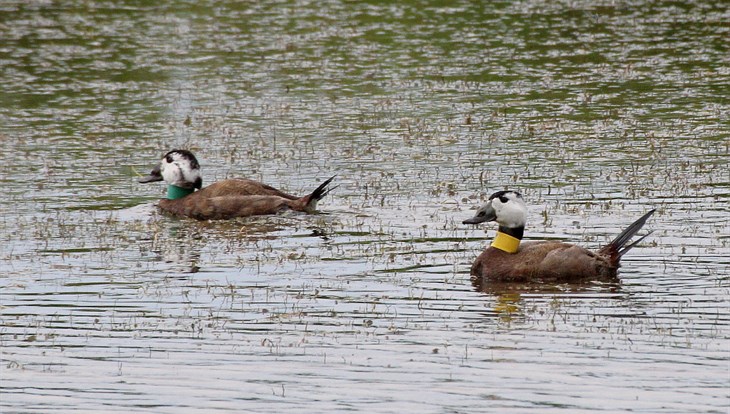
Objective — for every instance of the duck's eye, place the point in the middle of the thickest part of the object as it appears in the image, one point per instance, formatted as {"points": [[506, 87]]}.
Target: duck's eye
{"points": [[503, 199], [169, 159]]}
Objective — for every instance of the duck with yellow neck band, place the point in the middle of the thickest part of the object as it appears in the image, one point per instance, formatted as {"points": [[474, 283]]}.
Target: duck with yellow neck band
{"points": [[509, 260]]}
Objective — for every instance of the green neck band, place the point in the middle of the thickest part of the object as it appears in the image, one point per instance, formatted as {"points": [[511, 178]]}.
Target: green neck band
{"points": [[174, 192]]}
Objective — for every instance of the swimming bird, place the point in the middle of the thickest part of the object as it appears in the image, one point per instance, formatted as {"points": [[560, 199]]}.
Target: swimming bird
{"points": [[507, 259], [225, 199]]}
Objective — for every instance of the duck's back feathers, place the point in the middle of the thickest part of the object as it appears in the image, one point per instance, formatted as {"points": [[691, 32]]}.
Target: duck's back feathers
{"points": [[548, 261], [242, 187]]}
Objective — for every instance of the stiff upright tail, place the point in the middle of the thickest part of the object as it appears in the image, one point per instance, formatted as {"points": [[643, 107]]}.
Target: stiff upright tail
{"points": [[618, 246], [318, 194]]}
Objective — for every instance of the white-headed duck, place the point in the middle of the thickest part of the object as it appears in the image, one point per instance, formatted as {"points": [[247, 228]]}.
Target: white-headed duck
{"points": [[507, 259], [225, 199]]}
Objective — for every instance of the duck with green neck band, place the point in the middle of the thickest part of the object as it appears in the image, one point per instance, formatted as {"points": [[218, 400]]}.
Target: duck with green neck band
{"points": [[225, 199], [508, 259], [174, 192]]}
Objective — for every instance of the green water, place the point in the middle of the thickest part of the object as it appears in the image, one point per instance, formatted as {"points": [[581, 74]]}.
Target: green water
{"points": [[596, 112]]}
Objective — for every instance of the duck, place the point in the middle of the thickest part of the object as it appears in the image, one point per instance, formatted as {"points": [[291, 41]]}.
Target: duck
{"points": [[509, 260], [222, 200]]}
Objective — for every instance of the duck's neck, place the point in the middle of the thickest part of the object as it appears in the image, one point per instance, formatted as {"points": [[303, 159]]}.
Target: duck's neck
{"points": [[508, 239], [174, 192]]}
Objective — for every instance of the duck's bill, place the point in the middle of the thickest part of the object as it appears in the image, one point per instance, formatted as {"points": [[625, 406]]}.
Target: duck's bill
{"points": [[155, 175], [474, 220], [485, 213]]}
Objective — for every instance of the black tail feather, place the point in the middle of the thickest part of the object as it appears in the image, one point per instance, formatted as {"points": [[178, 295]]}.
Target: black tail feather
{"points": [[318, 194], [630, 246], [618, 246], [321, 191]]}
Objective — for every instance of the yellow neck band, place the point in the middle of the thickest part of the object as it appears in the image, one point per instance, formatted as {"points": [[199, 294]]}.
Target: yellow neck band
{"points": [[506, 243]]}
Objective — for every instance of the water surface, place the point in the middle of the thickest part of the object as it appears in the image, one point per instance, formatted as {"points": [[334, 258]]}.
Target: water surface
{"points": [[595, 112]]}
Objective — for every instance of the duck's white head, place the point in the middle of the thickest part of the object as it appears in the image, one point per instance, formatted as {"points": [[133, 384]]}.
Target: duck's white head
{"points": [[507, 208], [179, 168]]}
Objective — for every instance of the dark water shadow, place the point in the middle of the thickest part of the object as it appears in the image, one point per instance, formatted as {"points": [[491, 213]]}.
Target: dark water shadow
{"points": [[506, 288], [184, 242], [513, 302]]}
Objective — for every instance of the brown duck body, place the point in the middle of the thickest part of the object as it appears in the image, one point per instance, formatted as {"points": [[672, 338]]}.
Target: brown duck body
{"points": [[234, 198], [228, 207], [548, 261]]}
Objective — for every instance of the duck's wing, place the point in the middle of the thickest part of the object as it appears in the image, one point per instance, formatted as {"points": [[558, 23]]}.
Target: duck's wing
{"points": [[242, 187]]}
